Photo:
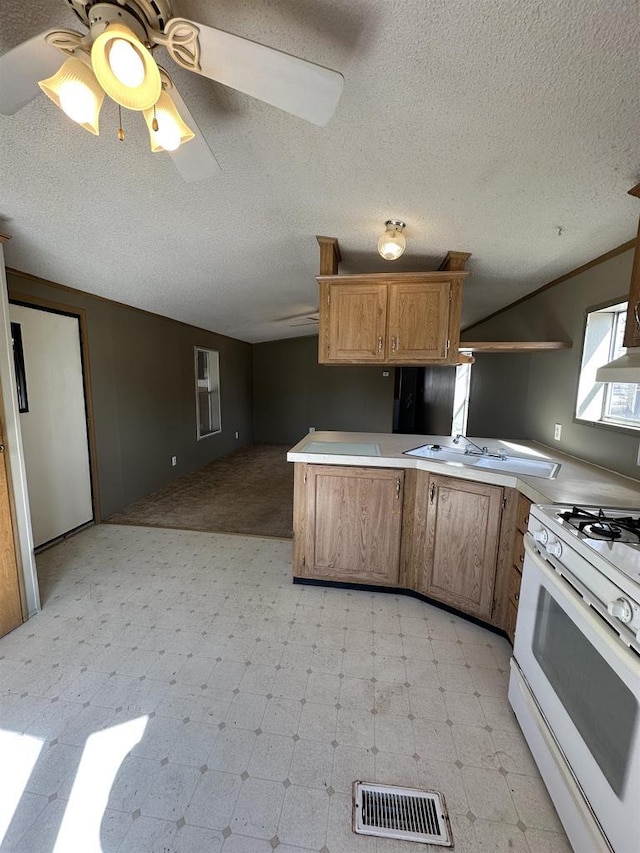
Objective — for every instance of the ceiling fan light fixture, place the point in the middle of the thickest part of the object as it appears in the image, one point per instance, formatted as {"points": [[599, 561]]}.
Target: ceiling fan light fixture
{"points": [[76, 91], [125, 68], [171, 129], [392, 242]]}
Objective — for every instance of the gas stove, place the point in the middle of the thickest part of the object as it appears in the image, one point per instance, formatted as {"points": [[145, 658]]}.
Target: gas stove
{"points": [[604, 525], [597, 549], [609, 538]]}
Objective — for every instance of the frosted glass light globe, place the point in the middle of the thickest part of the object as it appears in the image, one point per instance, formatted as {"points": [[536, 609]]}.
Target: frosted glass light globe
{"points": [[77, 101], [168, 132], [391, 244], [126, 63]]}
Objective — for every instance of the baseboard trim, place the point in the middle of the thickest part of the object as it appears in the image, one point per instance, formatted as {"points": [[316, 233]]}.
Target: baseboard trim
{"points": [[395, 590]]}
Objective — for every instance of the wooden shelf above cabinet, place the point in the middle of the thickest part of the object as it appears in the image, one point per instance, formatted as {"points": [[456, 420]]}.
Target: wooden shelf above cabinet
{"points": [[513, 346]]}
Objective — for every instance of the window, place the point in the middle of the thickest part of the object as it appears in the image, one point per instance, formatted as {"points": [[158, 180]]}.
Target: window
{"points": [[207, 392], [612, 403]]}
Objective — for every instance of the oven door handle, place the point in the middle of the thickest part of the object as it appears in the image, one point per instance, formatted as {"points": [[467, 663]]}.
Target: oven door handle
{"points": [[567, 591]]}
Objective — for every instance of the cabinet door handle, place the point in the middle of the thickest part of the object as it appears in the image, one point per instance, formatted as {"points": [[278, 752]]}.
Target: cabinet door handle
{"points": [[517, 596], [398, 488], [432, 492], [380, 343], [636, 309], [393, 343]]}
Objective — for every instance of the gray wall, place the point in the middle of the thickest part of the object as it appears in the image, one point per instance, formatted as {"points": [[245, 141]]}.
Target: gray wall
{"points": [[293, 392], [143, 388], [523, 396]]}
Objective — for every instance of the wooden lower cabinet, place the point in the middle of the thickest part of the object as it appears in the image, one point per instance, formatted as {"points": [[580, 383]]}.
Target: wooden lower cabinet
{"points": [[447, 538], [515, 573], [352, 524], [461, 544]]}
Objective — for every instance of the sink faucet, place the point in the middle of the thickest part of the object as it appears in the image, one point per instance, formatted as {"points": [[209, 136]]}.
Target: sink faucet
{"points": [[479, 451]]}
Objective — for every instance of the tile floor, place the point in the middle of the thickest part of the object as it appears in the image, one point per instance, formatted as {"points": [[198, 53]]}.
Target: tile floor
{"points": [[261, 702]]}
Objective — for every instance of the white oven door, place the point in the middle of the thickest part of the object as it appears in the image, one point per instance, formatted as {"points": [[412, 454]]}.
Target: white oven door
{"points": [[586, 682]]}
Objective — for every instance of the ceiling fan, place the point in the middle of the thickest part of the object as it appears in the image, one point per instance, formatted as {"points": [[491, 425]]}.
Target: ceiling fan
{"points": [[115, 57]]}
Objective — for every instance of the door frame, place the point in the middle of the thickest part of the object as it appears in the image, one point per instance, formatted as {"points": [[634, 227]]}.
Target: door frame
{"points": [[28, 301]]}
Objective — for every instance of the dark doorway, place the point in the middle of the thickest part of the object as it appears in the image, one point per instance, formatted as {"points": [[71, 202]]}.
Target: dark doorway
{"points": [[423, 400]]}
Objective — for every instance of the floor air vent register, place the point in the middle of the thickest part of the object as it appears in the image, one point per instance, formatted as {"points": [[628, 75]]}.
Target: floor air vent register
{"points": [[407, 814]]}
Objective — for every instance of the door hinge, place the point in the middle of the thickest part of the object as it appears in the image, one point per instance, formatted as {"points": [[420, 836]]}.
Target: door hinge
{"points": [[504, 503], [448, 344], [304, 479], [432, 492], [304, 560]]}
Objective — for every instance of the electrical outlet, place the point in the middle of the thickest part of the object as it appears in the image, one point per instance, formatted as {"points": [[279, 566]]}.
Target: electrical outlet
{"points": [[174, 461], [385, 373], [237, 434], [312, 429], [557, 432]]}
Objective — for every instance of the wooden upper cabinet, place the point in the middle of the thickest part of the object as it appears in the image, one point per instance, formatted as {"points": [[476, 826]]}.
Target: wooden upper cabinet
{"points": [[418, 323], [407, 318], [353, 523], [357, 320], [461, 544]]}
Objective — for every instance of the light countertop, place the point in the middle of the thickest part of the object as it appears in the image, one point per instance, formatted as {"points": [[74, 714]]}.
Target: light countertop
{"points": [[577, 482]]}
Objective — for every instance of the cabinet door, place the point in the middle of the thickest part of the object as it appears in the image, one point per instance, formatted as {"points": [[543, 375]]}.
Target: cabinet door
{"points": [[463, 526], [632, 328], [357, 315], [354, 519], [418, 326]]}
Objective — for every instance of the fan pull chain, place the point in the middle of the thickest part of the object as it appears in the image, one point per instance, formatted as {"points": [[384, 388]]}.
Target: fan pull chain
{"points": [[120, 129], [154, 123]]}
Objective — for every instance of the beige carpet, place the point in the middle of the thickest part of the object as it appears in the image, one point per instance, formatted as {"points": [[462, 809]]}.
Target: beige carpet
{"points": [[250, 492]]}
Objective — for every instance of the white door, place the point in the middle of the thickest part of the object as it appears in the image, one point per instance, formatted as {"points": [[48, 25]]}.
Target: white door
{"points": [[54, 429]]}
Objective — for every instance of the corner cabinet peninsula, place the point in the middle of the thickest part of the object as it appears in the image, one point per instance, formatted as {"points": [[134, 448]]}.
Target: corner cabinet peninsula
{"points": [[366, 513]]}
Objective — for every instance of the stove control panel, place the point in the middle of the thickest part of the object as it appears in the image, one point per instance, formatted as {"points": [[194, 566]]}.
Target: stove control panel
{"points": [[600, 586]]}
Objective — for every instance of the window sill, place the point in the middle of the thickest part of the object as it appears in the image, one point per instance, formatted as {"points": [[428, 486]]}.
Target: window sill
{"points": [[619, 428]]}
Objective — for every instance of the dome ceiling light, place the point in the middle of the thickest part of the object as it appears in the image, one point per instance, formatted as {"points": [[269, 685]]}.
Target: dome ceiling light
{"points": [[392, 243]]}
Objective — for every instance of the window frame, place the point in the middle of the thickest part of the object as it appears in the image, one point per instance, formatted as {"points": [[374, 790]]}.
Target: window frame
{"points": [[210, 391], [624, 427]]}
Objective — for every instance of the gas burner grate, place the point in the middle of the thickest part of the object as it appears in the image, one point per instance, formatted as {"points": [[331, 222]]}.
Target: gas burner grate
{"points": [[600, 525]]}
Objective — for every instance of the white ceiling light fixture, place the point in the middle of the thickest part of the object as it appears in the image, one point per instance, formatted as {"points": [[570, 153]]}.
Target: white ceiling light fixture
{"points": [[392, 243], [125, 69], [76, 91]]}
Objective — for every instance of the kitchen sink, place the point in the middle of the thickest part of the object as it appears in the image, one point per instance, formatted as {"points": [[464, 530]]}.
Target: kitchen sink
{"points": [[507, 465]]}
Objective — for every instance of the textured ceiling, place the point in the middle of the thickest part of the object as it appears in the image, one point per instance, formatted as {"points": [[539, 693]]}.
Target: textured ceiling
{"points": [[485, 124]]}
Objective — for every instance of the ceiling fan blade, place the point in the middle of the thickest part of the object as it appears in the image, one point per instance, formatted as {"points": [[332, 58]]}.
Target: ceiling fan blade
{"points": [[294, 85], [22, 67], [194, 160]]}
